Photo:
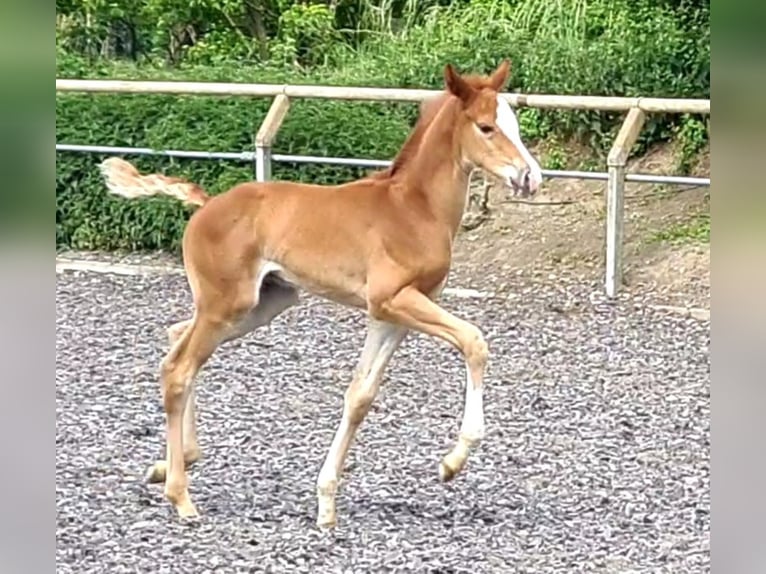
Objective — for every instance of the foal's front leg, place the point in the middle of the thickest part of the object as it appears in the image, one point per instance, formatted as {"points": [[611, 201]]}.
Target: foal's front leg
{"points": [[382, 341], [411, 308]]}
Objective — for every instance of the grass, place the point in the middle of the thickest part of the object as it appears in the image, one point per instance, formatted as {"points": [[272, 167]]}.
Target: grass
{"points": [[694, 230]]}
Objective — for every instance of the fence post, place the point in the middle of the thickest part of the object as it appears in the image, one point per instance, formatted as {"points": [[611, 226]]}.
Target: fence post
{"points": [[265, 136], [616, 161]]}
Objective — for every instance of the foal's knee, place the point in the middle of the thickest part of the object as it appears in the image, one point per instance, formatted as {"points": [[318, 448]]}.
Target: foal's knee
{"points": [[476, 350], [175, 331], [359, 398]]}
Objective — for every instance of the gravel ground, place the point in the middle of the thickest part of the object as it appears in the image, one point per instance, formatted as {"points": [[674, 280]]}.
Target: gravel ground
{"points": [[596, 457]]}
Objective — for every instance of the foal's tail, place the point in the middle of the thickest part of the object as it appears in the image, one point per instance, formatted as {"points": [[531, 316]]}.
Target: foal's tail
{"points": [[122, 178]]}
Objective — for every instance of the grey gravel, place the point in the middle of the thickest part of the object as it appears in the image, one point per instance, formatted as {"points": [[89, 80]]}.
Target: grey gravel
{"points": [[596, 457]]}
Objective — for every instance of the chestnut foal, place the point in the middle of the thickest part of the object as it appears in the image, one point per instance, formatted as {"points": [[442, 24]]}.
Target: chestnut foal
{"points": [[382, 244]]}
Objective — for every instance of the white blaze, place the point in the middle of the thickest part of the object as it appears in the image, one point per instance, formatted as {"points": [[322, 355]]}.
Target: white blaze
{"points": [[509, 125]]}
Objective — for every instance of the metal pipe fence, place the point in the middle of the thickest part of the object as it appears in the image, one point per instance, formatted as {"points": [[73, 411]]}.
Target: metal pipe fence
{"points": [[249, 157]]}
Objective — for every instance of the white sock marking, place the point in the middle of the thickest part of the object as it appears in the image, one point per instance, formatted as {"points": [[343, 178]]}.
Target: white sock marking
{"points": [[473, 411]]}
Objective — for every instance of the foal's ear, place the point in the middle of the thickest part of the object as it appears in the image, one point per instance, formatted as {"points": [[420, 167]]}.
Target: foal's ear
{"points": [[456, 84], [499, 77]]}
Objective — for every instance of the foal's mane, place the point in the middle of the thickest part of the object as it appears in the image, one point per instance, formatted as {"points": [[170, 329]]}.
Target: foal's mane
{"points": [[429, 109]]}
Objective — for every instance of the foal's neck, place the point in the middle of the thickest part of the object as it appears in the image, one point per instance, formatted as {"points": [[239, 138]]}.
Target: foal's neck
{"points": [[437, 170]]}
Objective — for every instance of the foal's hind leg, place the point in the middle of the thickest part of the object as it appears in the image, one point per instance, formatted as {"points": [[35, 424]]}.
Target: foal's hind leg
{"points": [[179, 368], [275, 297], [156, 473], [216, 321]]}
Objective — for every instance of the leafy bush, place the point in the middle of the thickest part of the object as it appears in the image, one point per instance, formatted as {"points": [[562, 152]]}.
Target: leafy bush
{"points": [[87, 218], [607, 47], [603, 47]]}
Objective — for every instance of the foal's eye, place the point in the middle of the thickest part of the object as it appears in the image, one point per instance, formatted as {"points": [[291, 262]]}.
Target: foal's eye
{"points": [[486, 129]]}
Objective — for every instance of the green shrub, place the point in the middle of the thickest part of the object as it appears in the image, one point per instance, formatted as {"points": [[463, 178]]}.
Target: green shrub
{"points": [[606, 47], [87, 218], [603, 47], [692, 135]]}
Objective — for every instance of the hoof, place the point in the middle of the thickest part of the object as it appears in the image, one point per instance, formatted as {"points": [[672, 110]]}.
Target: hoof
{"points": [[183, 504], [327, 523], [326, 515], [446, 472], [187, 511], [156, 473]]}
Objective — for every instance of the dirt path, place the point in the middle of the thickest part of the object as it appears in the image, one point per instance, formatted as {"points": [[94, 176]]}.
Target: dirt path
{"points": [[563, 232]]}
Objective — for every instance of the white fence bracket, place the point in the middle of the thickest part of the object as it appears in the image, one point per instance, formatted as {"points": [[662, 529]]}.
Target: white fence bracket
{"points": [[615, 193], [266, 134]]}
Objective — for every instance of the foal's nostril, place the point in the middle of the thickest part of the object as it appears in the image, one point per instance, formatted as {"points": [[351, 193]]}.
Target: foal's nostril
{"points": [[524, 178], [525, 183]]}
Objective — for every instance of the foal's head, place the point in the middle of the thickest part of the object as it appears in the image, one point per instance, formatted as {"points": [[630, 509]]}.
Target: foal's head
{"points": [[488, 131]]}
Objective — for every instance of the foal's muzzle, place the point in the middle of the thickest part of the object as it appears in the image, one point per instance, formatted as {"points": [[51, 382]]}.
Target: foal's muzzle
{"points": [[524, 184]]}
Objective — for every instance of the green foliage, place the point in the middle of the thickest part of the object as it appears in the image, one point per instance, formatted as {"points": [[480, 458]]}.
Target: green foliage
{"points": [[555, 158], [602, 47], [86, 217], [695, 230], [561, 47], [692, 135], [306, 33]]}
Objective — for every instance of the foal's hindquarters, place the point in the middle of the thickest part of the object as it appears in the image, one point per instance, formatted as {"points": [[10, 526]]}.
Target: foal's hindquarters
{"points": [[275, 296]]}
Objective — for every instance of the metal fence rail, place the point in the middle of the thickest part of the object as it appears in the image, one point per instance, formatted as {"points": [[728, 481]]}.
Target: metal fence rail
{"points": [[249, 157], [262, 157]]}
